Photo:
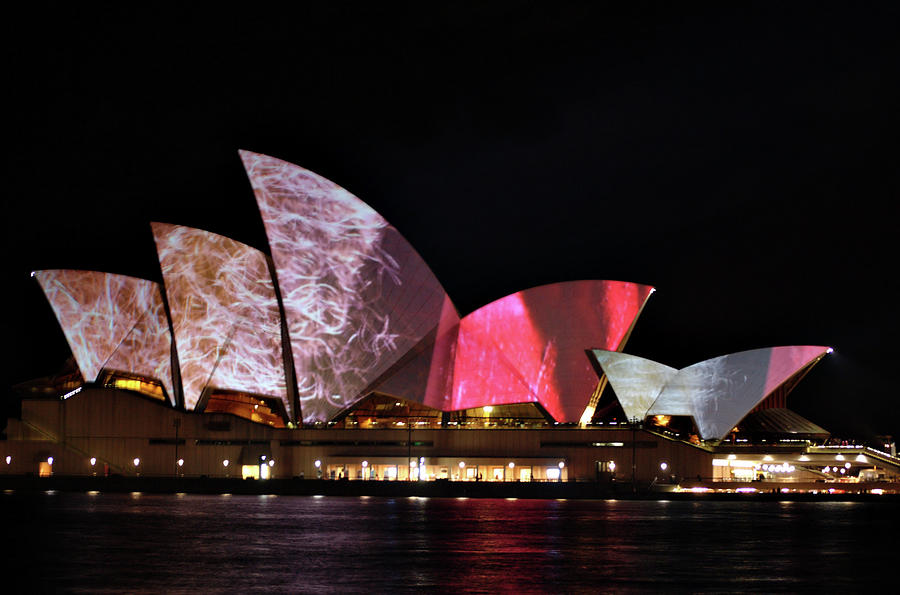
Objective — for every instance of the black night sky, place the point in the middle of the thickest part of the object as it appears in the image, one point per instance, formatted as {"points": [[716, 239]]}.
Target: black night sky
{"points": [[741, 160]]}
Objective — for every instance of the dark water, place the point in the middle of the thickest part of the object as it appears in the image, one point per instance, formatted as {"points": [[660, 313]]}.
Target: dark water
{"points": [[118, 543]]}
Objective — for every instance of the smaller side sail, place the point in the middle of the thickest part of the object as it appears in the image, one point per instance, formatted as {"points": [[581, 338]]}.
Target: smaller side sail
{"points": [[111, 322], [636, 381]]}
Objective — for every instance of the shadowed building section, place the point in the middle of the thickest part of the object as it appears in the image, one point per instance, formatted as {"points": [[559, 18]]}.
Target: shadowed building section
{"points": [[224, 314], [111, 322], [357, 297]]}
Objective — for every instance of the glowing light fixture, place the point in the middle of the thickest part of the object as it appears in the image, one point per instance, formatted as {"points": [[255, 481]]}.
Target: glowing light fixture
{"points": [[8, 459], [318, 464], [181, 462], [225, 463], [561, 464], [803, 458], [839, 457], [271, 462], [488, 408], [511, 465], [664, 465], [861, 459], [93, 461], [462, 464]]}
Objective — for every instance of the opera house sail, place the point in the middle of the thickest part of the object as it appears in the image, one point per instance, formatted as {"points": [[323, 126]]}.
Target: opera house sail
{"points": [[288, 352]]}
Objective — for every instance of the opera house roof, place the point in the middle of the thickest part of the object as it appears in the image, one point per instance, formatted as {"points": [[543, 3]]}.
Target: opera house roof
{"points": [[345, 307]]}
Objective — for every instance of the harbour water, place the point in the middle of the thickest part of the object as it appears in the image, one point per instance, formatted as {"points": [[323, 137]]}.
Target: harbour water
{"points": [[185, 543]]}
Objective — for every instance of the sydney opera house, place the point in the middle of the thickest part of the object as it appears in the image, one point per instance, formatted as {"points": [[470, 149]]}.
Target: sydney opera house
{"points": [[338, 355]]}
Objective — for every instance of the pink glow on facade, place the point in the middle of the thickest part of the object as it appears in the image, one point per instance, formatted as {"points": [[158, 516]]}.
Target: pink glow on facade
{"points": [[357, 296], [529, 346], [224, 314], [786, 361], [111, 322]]}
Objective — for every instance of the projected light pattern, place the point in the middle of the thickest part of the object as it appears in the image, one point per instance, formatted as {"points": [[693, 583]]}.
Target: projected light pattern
{"points": [[719, 392], [357, 297], [529, 346], [224, 314], [111, 322], [636, 381]]}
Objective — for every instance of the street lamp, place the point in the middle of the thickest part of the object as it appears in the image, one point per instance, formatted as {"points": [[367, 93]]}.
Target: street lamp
{"points": [[318, 465]]}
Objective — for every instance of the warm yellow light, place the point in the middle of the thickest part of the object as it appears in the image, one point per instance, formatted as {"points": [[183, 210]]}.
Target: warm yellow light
{"points": [[662, 420]]}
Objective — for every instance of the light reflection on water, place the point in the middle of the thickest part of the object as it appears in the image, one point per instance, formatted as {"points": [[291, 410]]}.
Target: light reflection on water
{"points": [[146, 543]]}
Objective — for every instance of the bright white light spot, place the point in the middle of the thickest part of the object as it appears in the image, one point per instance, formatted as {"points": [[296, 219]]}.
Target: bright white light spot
{"points": [[488, 409], [225, 463], [136, 461], [180, 462], [93, 461], [462, 464], [318, 464]]}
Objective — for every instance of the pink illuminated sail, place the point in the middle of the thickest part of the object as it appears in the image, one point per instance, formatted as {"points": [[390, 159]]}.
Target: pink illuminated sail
{"points": [[111, 322], [529, 346], [357, 296], [224, 314]]}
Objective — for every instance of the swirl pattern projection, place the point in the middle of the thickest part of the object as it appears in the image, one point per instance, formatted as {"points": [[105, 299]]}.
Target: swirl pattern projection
{"points": [[111, 322], [717, 393], [357, 297], [224, 312], [529, 346]]}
